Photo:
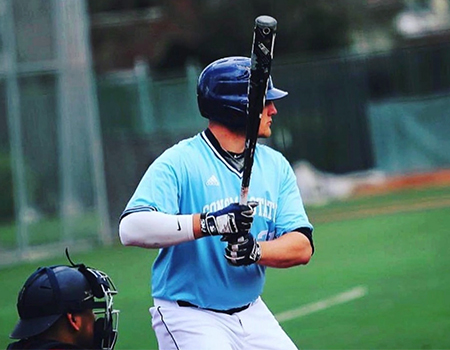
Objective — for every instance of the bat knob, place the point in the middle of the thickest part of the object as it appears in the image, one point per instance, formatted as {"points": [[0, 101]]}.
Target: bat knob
{"points": [[267, 23]]}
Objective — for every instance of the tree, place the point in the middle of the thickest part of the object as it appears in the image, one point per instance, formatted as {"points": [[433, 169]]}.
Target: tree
{"points": [[303, 27], [204, 30]]}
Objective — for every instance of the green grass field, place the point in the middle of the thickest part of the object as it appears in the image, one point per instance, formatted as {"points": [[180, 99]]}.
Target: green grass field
{"points": [[400, 255]]}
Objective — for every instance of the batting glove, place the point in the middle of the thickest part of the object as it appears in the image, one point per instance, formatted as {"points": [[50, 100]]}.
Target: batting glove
{"points": [[233, 219], [243, 251]]}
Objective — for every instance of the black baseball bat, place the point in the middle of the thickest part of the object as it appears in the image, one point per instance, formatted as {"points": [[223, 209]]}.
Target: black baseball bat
{"points": [[261, 61]]}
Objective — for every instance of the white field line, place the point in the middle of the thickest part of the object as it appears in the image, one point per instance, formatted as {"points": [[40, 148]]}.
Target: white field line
{"points": [[352, 294]]}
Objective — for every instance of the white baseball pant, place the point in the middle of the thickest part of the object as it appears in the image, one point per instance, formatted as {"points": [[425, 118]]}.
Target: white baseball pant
{"points": [[189, 328]]}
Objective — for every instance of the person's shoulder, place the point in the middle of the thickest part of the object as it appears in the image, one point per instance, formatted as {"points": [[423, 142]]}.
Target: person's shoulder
{"points": [[183, 151], [28, 344], [268, 151], [274, 159], [190, 143]]}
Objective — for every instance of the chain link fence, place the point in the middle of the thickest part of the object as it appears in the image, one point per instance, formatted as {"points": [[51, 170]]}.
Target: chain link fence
{"points": [[54, 193], [74, 146]]}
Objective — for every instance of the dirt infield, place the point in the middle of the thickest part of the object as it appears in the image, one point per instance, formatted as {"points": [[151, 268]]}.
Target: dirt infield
{"points": [[419, 181], [439, 178], [392, 208]]}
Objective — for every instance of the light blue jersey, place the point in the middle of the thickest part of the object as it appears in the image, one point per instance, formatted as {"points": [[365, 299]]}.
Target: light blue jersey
{"points": [[194, 176]]}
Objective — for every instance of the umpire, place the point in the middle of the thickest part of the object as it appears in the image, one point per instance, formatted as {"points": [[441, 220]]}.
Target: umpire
{"points": [[58, 306]]}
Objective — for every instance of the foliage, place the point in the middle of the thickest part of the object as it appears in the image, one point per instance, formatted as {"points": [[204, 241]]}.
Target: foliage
{"points": [[204, 31], [96, 6], [303, 26]]}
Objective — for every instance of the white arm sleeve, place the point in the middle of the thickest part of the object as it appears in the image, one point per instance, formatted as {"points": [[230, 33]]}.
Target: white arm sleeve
{"points": [[151, 229]]}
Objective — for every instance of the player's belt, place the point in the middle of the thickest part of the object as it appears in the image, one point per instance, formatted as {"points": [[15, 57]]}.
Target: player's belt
{"points": [[183, 303]]}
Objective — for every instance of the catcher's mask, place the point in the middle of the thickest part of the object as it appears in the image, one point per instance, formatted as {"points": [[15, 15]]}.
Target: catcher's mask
{"points": [[222, 91], [53, 291]]}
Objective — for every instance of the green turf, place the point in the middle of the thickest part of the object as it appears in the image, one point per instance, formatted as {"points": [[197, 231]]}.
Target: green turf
{"points": [[49, 229], [401, 258]]}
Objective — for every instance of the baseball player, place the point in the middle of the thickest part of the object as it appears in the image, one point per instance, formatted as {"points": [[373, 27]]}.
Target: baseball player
{"points": [[209, 274]]}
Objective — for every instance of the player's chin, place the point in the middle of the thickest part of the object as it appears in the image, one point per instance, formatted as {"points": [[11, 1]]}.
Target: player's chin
{"points": [[267, 132]]}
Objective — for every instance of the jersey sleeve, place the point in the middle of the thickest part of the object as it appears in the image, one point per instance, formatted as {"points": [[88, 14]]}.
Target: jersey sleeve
{"points": [[158, 189], [291, 214]]}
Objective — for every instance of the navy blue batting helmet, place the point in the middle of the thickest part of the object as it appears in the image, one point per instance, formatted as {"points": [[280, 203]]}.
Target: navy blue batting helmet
{"points": [[222, 91]]}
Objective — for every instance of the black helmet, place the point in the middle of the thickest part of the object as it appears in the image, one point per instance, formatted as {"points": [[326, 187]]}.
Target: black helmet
{"points": [[222, 90], [52, 291]]}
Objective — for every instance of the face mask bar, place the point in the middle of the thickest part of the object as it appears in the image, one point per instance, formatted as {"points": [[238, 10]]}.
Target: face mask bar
{"points": [[107, 322], [106, 325]]}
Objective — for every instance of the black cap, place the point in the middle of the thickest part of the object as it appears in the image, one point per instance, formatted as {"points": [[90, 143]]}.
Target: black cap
{"points": [[47, 294]]}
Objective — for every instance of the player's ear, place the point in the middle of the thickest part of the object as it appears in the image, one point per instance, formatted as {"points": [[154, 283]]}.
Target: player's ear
{"points": [[74, 320]]}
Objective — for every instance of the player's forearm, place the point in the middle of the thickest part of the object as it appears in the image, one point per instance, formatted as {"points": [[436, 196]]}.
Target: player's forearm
{"points": [[289, 250], [155, 230], [196, 227]]}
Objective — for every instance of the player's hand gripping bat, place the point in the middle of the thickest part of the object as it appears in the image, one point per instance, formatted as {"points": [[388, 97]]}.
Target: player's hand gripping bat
{"points": [[261, 61]]}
